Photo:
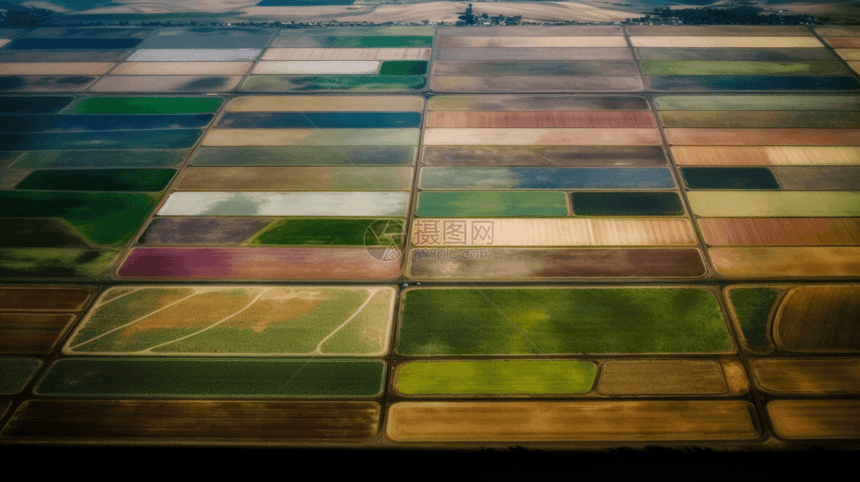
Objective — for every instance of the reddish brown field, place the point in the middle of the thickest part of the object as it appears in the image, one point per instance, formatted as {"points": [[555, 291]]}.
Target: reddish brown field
{"points": [[522, 119]]}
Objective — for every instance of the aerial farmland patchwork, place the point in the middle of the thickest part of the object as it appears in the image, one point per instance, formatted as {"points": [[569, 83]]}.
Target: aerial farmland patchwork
{"points": [[559, 237]]}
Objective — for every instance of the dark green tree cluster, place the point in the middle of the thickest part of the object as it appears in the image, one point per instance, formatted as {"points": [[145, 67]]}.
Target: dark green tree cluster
{"points": [[25, 17], [469, 17], [731, 16]]}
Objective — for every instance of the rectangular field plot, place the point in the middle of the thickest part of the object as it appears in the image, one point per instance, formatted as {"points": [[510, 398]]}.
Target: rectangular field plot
{"points": [[543, 156], [494, 377], [55, 68], [553, 232], [144, 158], [493, 178], [167, 83], [238, 321], [45, 83], [233, 231], [569, 421], [212, 378], [182, 68], [815, 419], [491, 321], [145, 105], [547, 59], [305, 156], [296, 263], [296, 179], [194, 55], [194, 421], [555, 263], [209, 38]]}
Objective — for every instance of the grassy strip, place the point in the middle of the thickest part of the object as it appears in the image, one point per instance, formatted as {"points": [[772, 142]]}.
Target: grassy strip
{"points": [[752, 306]]}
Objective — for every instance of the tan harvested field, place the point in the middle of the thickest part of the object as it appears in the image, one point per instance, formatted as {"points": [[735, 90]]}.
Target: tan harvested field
{"points": [[764, 137], [347, 54], [544, 42], [662, 377], [167, 83], [543, 83], [341, 103], [819, 318], [535, 53], [542, 137], [781, 231], [532, 31], [580, 232], [4, 41], [815, 419], [717, 31], [564, 421], [525, 119], [843, 42], [727, 42], [849, 54], [55, 68], [840, 31], [855, 66], [788, 262], [182, 68], [815, 377], [766, 155]]}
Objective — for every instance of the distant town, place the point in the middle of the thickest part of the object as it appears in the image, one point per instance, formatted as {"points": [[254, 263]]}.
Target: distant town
{"points": [[731, 15]]}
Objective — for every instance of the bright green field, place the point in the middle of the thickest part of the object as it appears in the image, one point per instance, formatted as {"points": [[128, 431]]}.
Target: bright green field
{"points": [[332, 232], [752, 306], [145, 105], [497, 377], [203, 378], [560, 321], [446, 204]]}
